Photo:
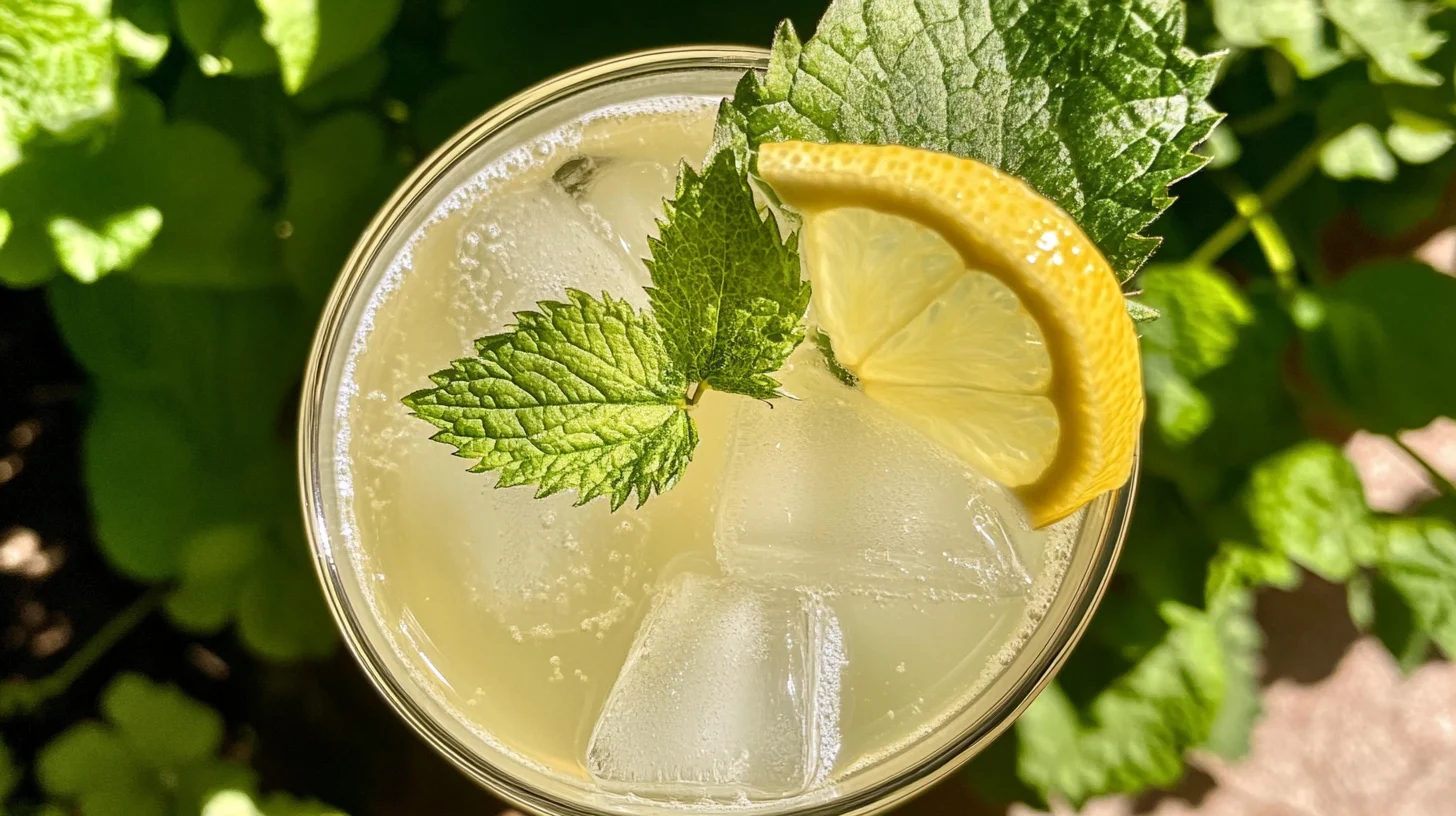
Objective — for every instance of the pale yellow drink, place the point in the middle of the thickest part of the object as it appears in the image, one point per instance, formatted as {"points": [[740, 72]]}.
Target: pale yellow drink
{"points": [[824, 589]]}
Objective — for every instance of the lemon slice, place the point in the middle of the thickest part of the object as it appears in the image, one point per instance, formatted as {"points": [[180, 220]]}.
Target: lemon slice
{"points": [[974, 309]]}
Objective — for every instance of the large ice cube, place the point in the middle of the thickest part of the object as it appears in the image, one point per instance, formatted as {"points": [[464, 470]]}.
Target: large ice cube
{"points": [[731, 690], [831, 492], [622, 196], [532, 244]]}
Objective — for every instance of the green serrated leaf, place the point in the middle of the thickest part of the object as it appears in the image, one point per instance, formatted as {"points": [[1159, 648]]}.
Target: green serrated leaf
{"points": [[354, 82], [159, 724], [1418, 559], [1308, 503], [238, 803], [1141, 312], [1241, 643], [185, 379], [141, 524], [9, 774], [1359, 152], [1376, 341], [212, 230], [281, 610], [1203, 317], [1060, 93], [314, 38], [88, 254], [1295, 27], [1134, 734], [1207, 429], [1393, 34], [578, 396], [826, 348], [91, 765], [226, 36], [1417, 143], [726, 287], [141, 31], [337, 178], [197, 783], [57, 70], [213, 563]]}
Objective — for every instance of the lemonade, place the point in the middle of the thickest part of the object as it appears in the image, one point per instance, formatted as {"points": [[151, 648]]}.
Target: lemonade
{"points": [[828, 603]]}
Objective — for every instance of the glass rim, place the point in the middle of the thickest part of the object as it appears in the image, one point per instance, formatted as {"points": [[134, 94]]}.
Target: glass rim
{"points": [[1069, 624]]}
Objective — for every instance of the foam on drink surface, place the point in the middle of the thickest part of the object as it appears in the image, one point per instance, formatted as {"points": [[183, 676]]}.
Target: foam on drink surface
{"points": [[822, 588]]}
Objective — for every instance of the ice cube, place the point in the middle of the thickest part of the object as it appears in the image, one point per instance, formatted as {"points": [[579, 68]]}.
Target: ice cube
{"points": [[731, 690], [621, 196], [529, 245], [830, 492]]}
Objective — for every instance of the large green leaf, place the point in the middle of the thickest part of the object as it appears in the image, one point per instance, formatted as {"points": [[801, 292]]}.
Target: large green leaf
{"points": [[168, 202], [338, 176], [1308, 503], [1133, 735], [1419, 562], [226, 37], [1377, 341], [1096, 103], [314, 38], [57, 69]]}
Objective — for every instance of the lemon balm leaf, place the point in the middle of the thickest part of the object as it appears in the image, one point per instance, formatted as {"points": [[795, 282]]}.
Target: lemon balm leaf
{"points": [[581, 395], [313, 38], [1296, 28], [58, 70], [1374, 340], [1132, 735], [1097, 105], [1307, 502], [1418, 560], [726, 286]]}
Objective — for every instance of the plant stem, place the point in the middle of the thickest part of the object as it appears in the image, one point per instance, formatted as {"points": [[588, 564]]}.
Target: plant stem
{"points": [[1266, 229], [1442, 483], [1280, 186], [25, 696]]}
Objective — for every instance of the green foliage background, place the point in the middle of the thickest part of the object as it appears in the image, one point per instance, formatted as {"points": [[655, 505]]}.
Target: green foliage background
{"points": [[185, 177]]}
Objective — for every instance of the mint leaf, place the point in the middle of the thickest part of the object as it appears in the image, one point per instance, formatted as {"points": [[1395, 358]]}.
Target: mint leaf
{"points": [[1375, 339], [314, 38], [726, 287], [581, 395], [57, 70], [1308, 503], [1418, 560], [1097, 105], [1133, 734]]}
